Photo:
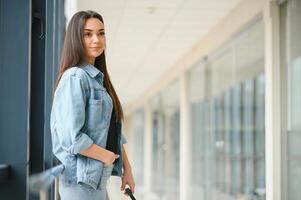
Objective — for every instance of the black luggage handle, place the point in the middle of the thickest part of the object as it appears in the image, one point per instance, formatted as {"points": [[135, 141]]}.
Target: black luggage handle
{"points": [[129, 192]]}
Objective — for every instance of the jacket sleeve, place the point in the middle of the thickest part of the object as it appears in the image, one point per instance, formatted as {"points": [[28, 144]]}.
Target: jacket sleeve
{"points": [[69, 110]]}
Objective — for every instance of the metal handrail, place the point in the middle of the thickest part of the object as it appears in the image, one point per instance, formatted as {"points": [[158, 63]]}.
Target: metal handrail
{"points": [[43, 193], [56, 189]]}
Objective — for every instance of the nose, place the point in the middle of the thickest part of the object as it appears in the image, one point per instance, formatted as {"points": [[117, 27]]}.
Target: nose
{"points": [[95, 38]]}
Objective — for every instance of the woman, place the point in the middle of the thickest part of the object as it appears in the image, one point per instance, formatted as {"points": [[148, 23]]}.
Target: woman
{"points": [[86, 115]]}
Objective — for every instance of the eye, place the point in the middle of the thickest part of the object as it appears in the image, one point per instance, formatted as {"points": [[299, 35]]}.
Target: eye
{"points": [[102, 33], [88, 34]]}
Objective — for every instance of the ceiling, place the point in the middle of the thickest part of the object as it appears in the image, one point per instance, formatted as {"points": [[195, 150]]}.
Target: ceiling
{"points": [[145, 38]]}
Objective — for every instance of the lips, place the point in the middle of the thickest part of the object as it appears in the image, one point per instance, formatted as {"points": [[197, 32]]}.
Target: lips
{"points": [[95, 49]]}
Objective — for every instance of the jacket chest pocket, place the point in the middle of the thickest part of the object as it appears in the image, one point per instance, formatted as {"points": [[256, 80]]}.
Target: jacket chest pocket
{"points": [[98, 110]]}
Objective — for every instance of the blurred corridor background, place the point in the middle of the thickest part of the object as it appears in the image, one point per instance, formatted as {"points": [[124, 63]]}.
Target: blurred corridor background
{"points": [[210, 90]]}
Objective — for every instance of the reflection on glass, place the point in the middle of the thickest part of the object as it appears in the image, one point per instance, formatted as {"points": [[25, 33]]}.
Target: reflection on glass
{"points": [[158, 132], [197, 182], [248, 136], [137, 130], [260, 136], [219, 141], [166, 143], [236, 152], [228, 143], [291, 27]]}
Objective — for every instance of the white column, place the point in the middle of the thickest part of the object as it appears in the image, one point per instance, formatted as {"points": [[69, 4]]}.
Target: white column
{"points": [[148, 151], [272, 101], [185, 142]]}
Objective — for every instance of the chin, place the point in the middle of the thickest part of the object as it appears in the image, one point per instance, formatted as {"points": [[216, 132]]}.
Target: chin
{"points": [[94, 54]]}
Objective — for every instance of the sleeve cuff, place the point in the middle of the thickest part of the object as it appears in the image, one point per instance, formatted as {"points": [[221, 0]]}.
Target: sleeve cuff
{"points": [[81, 143]]}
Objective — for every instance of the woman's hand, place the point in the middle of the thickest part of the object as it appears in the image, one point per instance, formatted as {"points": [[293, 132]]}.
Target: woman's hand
{"points": [[127, 179], [109, 157], [101, 154]]}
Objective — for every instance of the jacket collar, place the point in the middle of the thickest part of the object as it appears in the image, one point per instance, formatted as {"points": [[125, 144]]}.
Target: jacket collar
{"points": [[91, 70]]}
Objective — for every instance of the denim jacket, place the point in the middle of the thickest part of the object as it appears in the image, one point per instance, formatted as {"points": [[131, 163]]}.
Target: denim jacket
{"points": [[80, 116]]}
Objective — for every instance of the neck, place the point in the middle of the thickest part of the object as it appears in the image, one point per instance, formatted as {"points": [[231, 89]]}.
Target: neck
{"points": [[91, 61]]}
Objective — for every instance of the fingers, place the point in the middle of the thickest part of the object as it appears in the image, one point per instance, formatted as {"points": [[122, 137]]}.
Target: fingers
{"points": [[122, 185], [132, 187], [112, 159]]}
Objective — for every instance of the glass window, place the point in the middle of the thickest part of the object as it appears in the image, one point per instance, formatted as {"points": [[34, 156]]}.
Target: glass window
{"points": [[291, 51], [227, 139], [219, 142], [236, 151], [248, 136], [166, 137], [137, 130], [260, 136], [158, 131]]}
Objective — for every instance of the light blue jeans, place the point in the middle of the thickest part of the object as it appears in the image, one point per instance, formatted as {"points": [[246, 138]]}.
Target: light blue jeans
{"points": [[83, 191]]}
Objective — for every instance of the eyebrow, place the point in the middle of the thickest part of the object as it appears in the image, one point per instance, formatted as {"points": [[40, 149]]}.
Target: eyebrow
{"points": [[92, 30]]}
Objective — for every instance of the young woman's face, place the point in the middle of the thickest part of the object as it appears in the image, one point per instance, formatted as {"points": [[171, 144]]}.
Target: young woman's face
{"points": [[94, 39]]}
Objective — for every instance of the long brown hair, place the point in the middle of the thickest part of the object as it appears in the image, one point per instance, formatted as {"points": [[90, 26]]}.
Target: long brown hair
{"points": [[73, 54]]}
